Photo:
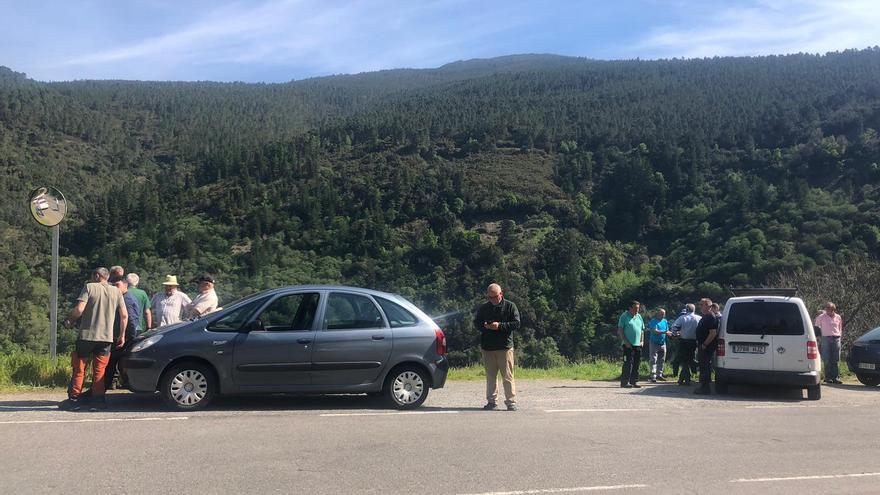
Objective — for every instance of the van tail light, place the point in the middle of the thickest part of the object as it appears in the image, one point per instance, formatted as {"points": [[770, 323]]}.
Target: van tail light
{"points": [[720, 352], [812, 350], [441, 342]]}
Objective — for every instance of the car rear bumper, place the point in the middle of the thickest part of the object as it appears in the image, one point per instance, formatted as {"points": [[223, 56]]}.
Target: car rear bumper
{"points": [[853, 365], [439, 371], [757, 377]]}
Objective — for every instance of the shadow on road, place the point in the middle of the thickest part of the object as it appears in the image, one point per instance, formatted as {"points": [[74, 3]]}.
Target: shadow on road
{"points": [[26, 405], [856, 387], [743, 393]]}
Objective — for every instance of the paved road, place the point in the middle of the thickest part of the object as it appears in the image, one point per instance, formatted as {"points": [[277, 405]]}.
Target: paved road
{"points": [[568, 437]]}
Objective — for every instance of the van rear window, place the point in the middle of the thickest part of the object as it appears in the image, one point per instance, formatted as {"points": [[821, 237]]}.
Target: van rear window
{"points": [[765, 318]]}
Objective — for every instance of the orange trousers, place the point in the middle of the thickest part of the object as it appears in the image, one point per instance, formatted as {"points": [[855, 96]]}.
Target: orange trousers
{"points": [[79, 361]]}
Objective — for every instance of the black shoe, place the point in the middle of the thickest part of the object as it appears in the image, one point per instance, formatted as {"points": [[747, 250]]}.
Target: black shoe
{"points": [[836, 381], [653, 380], [490, 406], [625, 385], [661, 378], [635, 385], [511, 407], [703, 391], [71, 404]]}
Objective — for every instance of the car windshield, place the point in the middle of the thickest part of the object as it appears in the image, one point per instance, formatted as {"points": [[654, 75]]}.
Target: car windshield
{"points": [[765, 318], [872, 336]]}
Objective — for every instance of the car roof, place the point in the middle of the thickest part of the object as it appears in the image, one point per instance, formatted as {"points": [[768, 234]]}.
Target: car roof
{"points": [[329, 288], [743, 299]]}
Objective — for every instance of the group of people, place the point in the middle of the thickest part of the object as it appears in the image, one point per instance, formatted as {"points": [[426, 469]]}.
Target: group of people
{"points": [[109, 313], [696, 334]]}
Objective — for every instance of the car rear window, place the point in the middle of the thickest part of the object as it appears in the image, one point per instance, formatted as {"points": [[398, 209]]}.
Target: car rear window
{"points": [[765, 318]]}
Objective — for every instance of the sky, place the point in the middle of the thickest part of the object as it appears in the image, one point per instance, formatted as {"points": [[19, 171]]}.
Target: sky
{"points": [[283, 40]]}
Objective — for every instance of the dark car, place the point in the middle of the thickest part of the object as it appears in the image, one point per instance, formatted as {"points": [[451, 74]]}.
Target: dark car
{"points": [[864, 358], [301, 339]]}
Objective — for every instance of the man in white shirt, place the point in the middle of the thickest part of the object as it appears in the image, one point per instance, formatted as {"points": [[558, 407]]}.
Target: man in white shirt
{"points": [[206, 301], [171, 306], [686, 327]]}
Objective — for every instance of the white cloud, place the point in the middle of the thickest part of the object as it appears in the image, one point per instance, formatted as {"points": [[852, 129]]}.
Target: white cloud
{"points": [[766, 27]]}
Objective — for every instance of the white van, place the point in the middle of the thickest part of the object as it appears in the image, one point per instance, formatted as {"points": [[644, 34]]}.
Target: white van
{"points": [[767, 337]]}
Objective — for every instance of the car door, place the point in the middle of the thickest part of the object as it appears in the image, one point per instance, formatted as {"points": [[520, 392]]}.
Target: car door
{"points": [[274, 350], [790, 338], [354, 343], [748, 328]]}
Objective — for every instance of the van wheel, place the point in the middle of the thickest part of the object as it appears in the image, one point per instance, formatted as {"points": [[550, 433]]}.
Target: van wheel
{"points": [[188, 386], [721, 387], [814, 392], [406, 387], [870, 381]]}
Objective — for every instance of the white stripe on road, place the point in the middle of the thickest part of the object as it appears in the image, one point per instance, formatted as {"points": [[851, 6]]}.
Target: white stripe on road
{"points": [[564, 490], [788, 406], [594, 410], [816, 477], [407, 413], [93, 420]]}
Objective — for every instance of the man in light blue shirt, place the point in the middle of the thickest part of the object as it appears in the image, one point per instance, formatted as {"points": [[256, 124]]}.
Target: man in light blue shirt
{"points": [[659, 330], [686, 325], [630, 327]]}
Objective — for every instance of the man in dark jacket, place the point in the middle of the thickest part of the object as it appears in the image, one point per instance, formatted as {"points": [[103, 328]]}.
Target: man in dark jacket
{"points": [[496, 320], [707, 333], [134, 312]]}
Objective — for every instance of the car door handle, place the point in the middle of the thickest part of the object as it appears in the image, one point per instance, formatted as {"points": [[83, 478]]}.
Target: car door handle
{"points": [[378, 337], [304, 341]]}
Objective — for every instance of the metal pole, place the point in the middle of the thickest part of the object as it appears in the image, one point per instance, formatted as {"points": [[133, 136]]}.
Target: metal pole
{"points": [[53, 298]]}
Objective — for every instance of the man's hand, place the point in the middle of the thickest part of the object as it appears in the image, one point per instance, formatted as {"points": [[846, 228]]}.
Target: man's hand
{"points": [[121, 342], [627, 344], [492, 326]]}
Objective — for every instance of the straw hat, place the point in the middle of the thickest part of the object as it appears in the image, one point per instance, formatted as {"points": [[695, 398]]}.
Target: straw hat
{"points": [[170, 280]]}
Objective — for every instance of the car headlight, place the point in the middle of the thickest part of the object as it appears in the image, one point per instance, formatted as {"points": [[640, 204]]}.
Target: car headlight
{"points": [[146, 343]]}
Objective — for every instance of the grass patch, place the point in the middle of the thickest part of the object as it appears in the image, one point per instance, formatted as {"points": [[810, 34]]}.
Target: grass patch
{"points": [[22, 370]]}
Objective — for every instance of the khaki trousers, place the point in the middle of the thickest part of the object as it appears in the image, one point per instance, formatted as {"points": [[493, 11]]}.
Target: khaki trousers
{"points": [[495, 361]]}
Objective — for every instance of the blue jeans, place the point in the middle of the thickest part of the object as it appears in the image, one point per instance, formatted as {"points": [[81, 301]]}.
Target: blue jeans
{"points": [[830, 351]]}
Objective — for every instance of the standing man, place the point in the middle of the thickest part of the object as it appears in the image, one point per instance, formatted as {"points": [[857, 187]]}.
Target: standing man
{"points": [[145, 318], [686, 324], [659, 330], [171, 306], [630, 327], [96, 307], [206, 301], [129, 329], [117, 271], [831, 325], [707, 331], [496, 320]]}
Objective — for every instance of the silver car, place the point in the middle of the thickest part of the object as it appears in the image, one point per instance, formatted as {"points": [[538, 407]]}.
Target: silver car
{"points": [[300, 339]]}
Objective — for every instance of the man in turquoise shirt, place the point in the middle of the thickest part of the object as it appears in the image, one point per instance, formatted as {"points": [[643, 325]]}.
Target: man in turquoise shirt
{"points": [[630, 327]]}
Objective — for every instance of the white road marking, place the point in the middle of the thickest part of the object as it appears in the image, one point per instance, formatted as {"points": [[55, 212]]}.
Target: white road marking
{"points": [[789, 406], [91, 420], [564, 490], [799, 478], [406, 413], [594, 410]]}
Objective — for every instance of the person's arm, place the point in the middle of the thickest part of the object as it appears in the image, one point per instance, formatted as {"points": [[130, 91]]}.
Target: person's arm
{"points": [[148, 317], [74, 315], [513, 323], [123, 321]]}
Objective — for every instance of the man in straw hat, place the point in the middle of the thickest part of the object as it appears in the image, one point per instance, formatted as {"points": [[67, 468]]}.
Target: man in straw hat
{"points": [[169, 307]]}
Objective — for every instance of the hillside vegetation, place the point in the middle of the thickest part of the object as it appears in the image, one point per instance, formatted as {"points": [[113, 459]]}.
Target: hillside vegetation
{"points": [[576, 184]]}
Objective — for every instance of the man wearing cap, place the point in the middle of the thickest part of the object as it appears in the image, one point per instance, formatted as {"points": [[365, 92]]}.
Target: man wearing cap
{"points": [[96, 307], [169, 307], [206, 301]]}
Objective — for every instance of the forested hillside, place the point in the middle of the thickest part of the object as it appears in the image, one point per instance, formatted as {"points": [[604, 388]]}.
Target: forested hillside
{"points": [[576, 184]]}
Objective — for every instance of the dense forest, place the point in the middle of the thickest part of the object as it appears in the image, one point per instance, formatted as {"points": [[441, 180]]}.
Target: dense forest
{"points": [[576, 184]]}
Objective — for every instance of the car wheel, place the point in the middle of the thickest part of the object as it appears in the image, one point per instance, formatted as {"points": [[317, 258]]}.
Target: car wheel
{"points": [[406, 387], [814, 392], [188, 386], [721, 387], [870, 381]]}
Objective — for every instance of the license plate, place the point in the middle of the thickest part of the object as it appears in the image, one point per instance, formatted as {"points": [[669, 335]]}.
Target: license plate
{"points": [[749, 349], [867, 366]]}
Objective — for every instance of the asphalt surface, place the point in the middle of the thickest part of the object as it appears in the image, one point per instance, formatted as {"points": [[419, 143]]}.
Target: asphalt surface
{"points": [[567, 437]]}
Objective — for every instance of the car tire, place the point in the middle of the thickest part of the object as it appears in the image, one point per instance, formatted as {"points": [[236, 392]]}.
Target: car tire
{"points": [[406, 387], [814, 392], [721, 387], [188, 386], [868, 380]]}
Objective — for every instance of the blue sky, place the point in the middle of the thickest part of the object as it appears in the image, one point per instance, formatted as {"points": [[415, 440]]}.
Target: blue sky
{"points": [[281, 40]]}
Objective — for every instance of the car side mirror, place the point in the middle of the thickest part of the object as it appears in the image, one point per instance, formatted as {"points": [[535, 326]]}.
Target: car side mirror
{"points": [[255, 325]]}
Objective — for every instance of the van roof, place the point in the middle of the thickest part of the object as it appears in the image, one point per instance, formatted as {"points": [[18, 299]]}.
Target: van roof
{"points": [[734, 300]]}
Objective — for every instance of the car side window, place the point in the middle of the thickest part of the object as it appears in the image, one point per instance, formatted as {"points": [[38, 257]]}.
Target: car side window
{"points": [[290, 312], [351, 311], [232, 321], [396, 314]]}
